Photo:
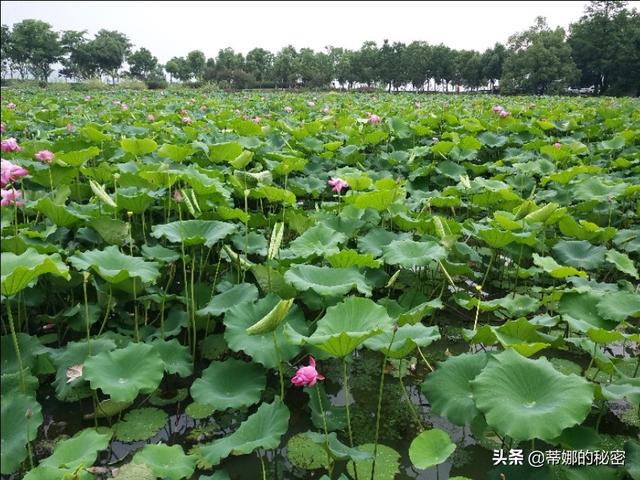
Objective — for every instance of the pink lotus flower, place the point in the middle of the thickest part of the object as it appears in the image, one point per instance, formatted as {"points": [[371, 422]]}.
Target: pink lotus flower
{"points": [[311, 104], [2, 127], [307, 376], [257, 119], [10, 172], [87, 98], [337, 184], [177, 196], [10, 196], [288, 109], [186, 120], [10, 145], [373, 118], [70, 127], [557, 145], [124, 107], [325, 109], [151, 117], [11, 106], [504, 114], [45, 156]]}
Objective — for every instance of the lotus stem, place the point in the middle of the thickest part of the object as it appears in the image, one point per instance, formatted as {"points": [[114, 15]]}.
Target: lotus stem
{"points": [[379, 407], [280, 372], [193, 304], [407, 398], [85, 279], [326, 430], [345, 377], [424, 359], [264, 471], [16, 345]]}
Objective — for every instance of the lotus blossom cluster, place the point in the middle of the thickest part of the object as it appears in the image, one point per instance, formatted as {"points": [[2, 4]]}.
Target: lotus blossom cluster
{"points": [[9, 172], [557, 145], [337, 184], [186, 120], [307, 376], [10, 196], [499, 110], [373, 118], [45, 156]]}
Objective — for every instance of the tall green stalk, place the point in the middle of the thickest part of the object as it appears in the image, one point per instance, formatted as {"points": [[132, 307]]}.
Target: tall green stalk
{"points": [[345, 381], [279, 358]]}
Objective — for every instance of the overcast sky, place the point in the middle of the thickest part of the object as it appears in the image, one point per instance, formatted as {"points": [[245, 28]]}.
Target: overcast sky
{"points": [[174, 28]]}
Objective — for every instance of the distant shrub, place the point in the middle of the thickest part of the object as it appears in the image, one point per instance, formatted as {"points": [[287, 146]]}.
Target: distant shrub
{"points": [[59, 86], [132, 84], [156, 82]]}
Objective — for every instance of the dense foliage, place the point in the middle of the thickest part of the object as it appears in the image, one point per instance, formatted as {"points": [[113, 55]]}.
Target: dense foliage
{"points": [[600, 51], [165, 255]]}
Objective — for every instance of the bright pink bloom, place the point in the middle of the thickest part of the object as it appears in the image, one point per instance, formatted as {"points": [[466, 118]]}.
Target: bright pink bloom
{"points": [[11, 106], [325, 109], [307, 376], [504, 114], [10, 145], [257, 119], [177, 196], [186, 120], [557, 145], [338, 184], [497, 108], [151, 117], [10, 172], [373, 118], [70, 127], [45, 156], [288, 109], [10, 196]]}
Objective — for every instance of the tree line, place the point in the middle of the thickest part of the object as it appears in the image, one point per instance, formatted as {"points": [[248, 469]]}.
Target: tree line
{"points": [[600, 50]]}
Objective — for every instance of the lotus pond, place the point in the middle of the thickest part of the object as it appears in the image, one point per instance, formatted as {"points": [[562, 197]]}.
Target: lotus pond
{"points": [[337, 286]]}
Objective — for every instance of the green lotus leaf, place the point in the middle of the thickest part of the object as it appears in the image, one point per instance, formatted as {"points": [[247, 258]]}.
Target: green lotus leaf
{"points": [[221, 303], [226, 151], [175, 356], [448, 389], [491, 139], [80, 450], [518, 305], [177, 153], [229, 384], [167, 462], [318, 240], [527, 399], [338, 450], [77, 157], [618, 306], [430, 448], [351, 258], [106, 409], [417, 313], [347, 325], [379, 200], [133, 471], [622, 263], [112, 231], [17, 428], [30, 347], [274, 194], [496, 238], [632, 458], [261, 347], [60, 214], [405, 340], [627, 388], [556, 270], [263, 429], [305, 454], [194, 232], [124, 373], [202, 183], [387, 463], [594, 188], [140, 424], [602, 336], [199, 411], [579, 253], [579, 310], [138, 146], [18, 271], [213, 347], [219, 475], [377, 238], [76, 353], [133, 199], [271, 320], [160, 253], [408, 253], [326, 281], [114, 266]]}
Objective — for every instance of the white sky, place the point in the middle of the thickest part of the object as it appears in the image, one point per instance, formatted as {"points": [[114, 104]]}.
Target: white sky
{"points": [[174, 28]]}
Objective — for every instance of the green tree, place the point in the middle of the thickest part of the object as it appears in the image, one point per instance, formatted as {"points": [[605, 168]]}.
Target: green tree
{"points": [[142, 63], [417, 63], [73, 45], [285, 67], [605, 44], [178, 68], [259, 63], [443, 65], [538, 61], [108, 51], [492, 61], [469, 69], [197, 63], [315, 68], [34, 45], [5, 48], [365, 63]]}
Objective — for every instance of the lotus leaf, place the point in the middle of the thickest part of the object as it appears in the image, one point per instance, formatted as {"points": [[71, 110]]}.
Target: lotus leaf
{"points": [[140, 424], [325, 281], [18, 271], [80, 450], [408, 253], [168, 462], [405, 340], [194, 232], [431, 448], [114, 266]]}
